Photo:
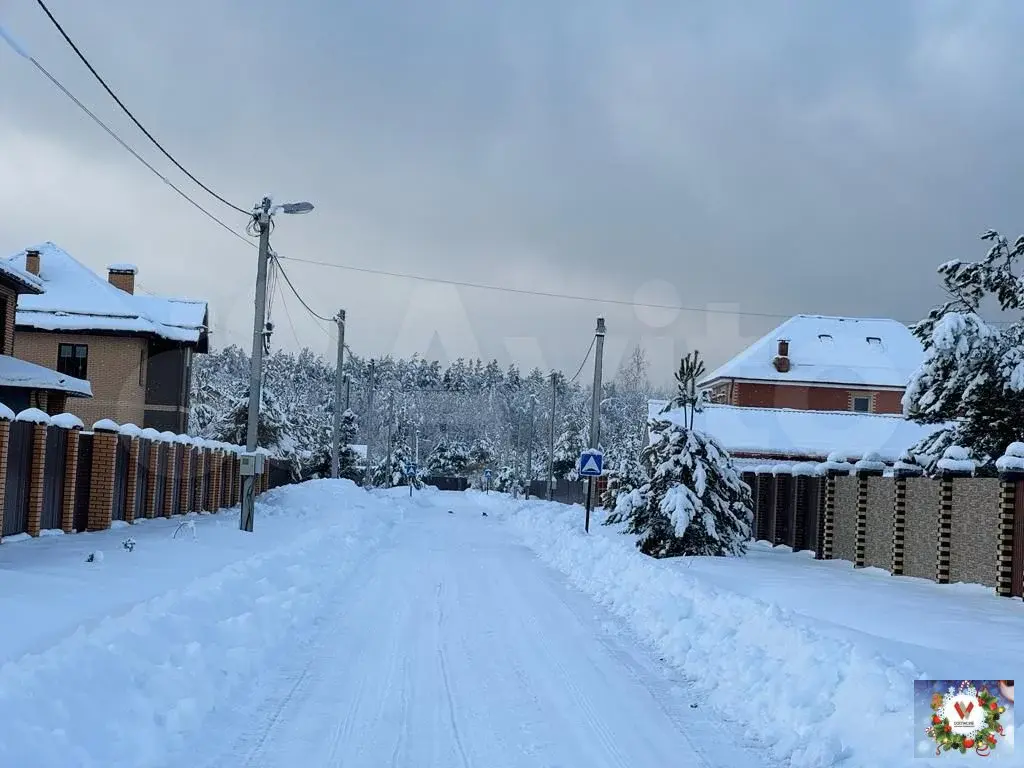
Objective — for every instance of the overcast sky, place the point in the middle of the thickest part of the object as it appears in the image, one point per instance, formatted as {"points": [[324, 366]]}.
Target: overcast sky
{"points": [[753, 157]]}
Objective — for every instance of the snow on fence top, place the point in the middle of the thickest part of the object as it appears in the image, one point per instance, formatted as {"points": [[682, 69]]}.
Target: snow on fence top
{"points": [[131, 430], [956, 459], [6, 413], [870, 462], [1013, 459], [150, 434], [782, 469], [182, 439], [67, 421], [806, 469], [167, 437], [836, 462], [33, 415], [106, 425], [806, 435], [866, 352]]}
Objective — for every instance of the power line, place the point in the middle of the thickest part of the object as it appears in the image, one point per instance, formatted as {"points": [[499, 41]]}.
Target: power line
{"points": [[302, 301], [528, 292], [113, 134], [128, 112], [288, 316], [587, 357]]}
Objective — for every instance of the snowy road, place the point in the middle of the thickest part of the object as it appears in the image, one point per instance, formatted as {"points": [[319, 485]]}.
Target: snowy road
{"points": [[452, 646]]}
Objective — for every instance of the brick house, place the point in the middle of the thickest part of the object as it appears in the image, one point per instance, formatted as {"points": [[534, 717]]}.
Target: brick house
{"points": [[24, 384], [817, 363], [135, 350]]}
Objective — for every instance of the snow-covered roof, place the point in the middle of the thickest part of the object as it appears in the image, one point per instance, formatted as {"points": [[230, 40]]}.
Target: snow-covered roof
{"points": [[23, 374], [76, 298], [358, 450], [26, 281], [864, 352], [803, 434]]}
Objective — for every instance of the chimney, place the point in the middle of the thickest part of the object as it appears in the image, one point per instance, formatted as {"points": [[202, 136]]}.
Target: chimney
{"points": [[122, 276], [781, 361], [32, 261]]}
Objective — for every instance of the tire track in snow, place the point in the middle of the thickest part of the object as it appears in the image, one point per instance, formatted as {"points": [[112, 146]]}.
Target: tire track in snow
{"points": [[445, 680]]}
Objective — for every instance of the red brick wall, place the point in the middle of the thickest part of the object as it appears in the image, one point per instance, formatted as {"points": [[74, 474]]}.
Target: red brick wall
{"points": [[804, 397]]}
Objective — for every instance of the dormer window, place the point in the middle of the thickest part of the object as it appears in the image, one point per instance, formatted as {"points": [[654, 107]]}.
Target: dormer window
{"points": [[875, 341], [825, 338]]}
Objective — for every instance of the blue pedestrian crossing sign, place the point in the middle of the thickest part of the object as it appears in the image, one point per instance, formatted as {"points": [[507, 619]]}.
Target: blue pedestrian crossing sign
{"points": [[591, 463], [410, 468], [487, 474]]}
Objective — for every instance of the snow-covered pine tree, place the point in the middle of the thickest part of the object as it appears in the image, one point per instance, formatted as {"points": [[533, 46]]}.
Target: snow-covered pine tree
{"points": [[972, 377], [448, 459], [627, 474], [695, 502]]}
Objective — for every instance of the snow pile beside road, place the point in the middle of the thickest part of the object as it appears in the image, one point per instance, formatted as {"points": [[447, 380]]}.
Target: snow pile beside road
{"points": [[812, 698], [124, 690]]}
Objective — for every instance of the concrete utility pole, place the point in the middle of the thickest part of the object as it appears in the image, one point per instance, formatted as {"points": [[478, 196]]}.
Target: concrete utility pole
{"points": [[262, 219], [369, 428], [529, 449], [338, 379], [595, 410], [551, 439], [348, 391], [391, 421]]}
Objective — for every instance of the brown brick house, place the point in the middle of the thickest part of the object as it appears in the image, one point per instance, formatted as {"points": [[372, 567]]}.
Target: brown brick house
{"points": [[135, 350], [24, 384], [818, 363]]}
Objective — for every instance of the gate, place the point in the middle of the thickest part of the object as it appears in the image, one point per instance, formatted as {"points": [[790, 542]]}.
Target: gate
{"points": [[783, 510], [764, 510], [143, 480], [83, 482], [19, 478], [53, 478], [122, 454]]}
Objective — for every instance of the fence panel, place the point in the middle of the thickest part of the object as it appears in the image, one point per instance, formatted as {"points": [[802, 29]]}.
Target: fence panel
{"points": [[83, 482], [809, 533], [122, 454], [143, 479], [784, 509], [53, 477], [178, 457], [160, 481], [1017, 571], [441, 483], [19, 478], [281, 474]]}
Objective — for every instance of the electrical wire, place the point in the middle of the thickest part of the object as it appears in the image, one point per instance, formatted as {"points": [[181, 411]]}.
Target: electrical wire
{"points": [[297, 295], [113, 134], [580, 369], [288, 317], [528, 292], [128, 112]]}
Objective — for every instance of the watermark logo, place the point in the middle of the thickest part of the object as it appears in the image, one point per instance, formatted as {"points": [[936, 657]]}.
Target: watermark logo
{"points": [[964, 717]]}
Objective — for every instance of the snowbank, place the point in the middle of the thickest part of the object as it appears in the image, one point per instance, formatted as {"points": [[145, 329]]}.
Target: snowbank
{"points": [[126, 682], [813, 694]]}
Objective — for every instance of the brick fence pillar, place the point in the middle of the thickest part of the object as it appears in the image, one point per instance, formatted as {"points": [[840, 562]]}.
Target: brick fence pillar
{"points": [[101, 495], [236, 479], [200, 485], [171, 477], [186, 493], [1010, 486], [37, 479], [67, 509], [216, 477], [829, 528], [153, 469], [5, 441], [132, 481]]}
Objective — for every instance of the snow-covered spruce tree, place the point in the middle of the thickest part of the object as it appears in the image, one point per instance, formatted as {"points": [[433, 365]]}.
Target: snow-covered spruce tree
{"points": [[448, 459], [387, 474], [972, 376], [627, 475], [695, 502]]}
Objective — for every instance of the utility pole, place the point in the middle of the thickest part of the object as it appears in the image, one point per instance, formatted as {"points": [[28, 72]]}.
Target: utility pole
{"points": [[369, 428], [338, 378], [391, 420], [262, 220], [348, 391], [529, 448], [595, 410], [551, 439]]}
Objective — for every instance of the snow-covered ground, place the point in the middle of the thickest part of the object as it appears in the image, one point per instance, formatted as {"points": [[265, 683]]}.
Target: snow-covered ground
{"points": [[812, 659], [377, 629]]}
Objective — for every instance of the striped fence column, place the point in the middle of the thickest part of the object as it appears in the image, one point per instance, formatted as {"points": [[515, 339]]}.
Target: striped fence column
{"points": [[1010, 486], [153, 470], [199, 481], [216, 478], [829, 527], [899, 521], [170, 477], [945, 538], [5, 442], [130, 511]]}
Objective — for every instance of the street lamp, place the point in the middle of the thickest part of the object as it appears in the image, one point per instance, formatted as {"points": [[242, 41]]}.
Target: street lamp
{"points": [[261, 216]]}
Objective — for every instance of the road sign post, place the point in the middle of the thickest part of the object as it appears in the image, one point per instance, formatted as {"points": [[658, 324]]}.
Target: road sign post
{"points": [[410, 472], [487, 481], [591, 465]]}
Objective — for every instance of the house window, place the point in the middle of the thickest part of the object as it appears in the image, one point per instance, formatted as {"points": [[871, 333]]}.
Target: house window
{"points": [[73, 360], [862, 403]]}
